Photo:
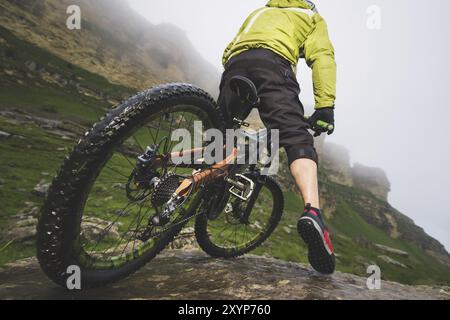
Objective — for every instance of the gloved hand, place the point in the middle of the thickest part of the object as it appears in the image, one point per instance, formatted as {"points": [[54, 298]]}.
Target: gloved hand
{"points": [[325, 115]]}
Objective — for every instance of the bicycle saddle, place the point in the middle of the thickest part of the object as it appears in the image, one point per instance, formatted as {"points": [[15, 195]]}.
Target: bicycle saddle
{"points": [[245, 89], [256, 136]]}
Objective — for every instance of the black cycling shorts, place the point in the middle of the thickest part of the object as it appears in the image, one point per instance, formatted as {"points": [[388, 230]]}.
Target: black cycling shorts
{"points": [[280, 107]]}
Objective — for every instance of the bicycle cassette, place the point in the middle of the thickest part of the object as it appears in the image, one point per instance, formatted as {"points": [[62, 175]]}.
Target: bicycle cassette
{"points": [[165, 189]]}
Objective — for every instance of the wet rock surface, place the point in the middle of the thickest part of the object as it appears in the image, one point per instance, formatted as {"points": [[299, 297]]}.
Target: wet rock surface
{"points": [[41, 188], [190, 274]]}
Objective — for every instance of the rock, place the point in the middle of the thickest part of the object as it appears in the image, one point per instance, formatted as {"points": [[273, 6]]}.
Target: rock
{"points": [[93, 229], [250, 277], [393, 232], [41, 188], [9, 72], [287, 230], [65, 135], [31, 65], [373, 180], [185, 240], [31, 209], [22, 227], [188, 230], [392, 262], [22, 233], [4, 134], [445, 291], [256, 225], [362, 241], [120, 212], [390, 250], [284, 282], [65, 129], [336, 160], [121, 186]]}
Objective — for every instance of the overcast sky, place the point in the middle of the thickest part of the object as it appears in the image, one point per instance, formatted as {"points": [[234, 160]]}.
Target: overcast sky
{"points": [[392, 108]]}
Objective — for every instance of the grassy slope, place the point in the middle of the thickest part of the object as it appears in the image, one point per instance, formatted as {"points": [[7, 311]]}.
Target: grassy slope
{"points": [[32, 152], [27, 90], [347, 225], [23, 161]]}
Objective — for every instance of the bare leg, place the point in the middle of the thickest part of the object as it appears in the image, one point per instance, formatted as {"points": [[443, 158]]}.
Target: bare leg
{"points": [[304, 172]]}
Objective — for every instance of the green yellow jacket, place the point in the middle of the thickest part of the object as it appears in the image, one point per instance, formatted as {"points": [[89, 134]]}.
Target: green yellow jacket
{"points": [[293, 29]]}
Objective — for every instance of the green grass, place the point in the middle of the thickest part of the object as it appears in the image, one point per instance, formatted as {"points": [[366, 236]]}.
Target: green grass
{"points": [[284, 245], [23, 162], [347, 226], [19, 52], [27, 89], [33, 154], [14, 252], [50, 103]]}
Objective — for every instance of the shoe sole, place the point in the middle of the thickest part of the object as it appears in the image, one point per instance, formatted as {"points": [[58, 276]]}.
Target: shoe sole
{"points": [[319, 257]]}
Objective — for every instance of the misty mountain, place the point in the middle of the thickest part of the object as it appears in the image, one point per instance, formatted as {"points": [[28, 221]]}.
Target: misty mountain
{"points": [[114, 42]]}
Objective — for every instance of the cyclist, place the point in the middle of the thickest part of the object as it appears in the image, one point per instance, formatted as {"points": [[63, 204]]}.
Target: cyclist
{"points": [[266, 50]]}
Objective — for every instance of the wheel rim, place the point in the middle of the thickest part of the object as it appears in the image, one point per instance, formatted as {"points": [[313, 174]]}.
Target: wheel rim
{"points": [[111, 221], [228, 232]]}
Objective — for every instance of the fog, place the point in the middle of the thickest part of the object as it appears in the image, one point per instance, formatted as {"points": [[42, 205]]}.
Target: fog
{"points": [[392, 107]]}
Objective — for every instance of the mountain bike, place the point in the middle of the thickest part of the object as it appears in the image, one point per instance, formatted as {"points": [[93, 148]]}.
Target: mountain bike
{"points": [[119, 198]]}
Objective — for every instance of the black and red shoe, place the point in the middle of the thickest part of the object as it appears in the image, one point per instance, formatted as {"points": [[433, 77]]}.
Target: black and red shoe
{"points": [[314, 232]]}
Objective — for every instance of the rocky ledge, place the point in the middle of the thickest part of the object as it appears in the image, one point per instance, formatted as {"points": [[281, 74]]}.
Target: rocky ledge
{"points": [[190, 274]]}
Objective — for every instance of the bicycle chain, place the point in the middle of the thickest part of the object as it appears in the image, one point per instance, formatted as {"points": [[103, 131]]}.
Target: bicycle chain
{"points": [[177, 224], [174, 225]]}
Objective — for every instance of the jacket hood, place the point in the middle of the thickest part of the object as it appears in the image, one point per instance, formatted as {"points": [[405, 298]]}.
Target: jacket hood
{"points": [[291, 4]]}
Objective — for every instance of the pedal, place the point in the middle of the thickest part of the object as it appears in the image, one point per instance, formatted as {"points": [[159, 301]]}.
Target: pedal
{"points": [[242, 189]]}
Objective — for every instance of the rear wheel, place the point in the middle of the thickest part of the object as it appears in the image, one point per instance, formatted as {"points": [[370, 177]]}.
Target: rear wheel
{"points": [[98, 213], [240, 226]]}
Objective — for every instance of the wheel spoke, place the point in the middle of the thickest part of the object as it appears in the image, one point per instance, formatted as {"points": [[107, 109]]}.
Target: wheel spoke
{"points": [[108, 228], [128, 160], [125, 233], [114, 233], [116, 171], [229, 232]]}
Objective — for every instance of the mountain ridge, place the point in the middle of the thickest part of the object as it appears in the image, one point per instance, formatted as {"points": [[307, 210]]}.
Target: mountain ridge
{"points": [[114, 42]]}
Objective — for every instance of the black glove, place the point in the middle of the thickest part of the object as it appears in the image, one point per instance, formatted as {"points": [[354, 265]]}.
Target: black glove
{"points": [[325, 115]]}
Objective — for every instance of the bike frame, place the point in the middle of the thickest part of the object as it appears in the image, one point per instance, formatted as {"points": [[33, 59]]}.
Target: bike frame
{"points": [[203, 175]]}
